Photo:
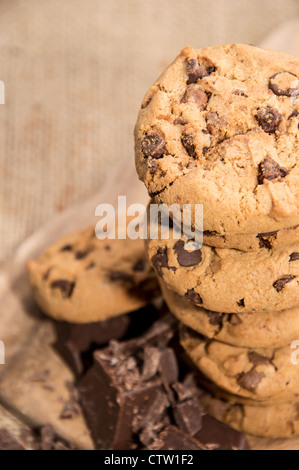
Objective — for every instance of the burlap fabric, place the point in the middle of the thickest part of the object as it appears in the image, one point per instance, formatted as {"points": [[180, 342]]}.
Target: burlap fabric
{"points": [[75, 72]]}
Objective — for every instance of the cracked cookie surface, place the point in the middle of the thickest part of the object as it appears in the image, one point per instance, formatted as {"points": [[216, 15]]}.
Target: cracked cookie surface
{"points": [[228, 281], [260, 374], [220, 128], [248, 330], [82, 279]]}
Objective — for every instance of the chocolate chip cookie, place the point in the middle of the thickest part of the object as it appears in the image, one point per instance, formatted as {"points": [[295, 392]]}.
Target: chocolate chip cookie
{"points": [[246, 330], [82, 279], [277, 421], [220, 128], [265, 375], [228, 281], [255, 242]]}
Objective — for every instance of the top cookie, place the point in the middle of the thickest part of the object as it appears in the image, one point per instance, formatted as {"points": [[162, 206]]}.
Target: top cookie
{"points": [[220, 128]]}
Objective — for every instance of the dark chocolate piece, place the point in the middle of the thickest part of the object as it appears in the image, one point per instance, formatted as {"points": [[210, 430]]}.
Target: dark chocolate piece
{"points": [[76, 342], [215, 435], [9, 441], [173, 438]]}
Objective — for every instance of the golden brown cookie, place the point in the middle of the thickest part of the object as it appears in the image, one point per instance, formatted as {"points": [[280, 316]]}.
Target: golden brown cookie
{"points": [[82, 279], [228, 281], [259, 374], [247, 330], [220, 128]]}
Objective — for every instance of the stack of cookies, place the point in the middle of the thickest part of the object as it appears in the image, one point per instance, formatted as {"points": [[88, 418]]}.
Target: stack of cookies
{"points": [[220, 128]]}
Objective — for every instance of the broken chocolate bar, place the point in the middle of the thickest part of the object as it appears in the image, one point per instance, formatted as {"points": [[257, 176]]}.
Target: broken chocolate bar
{"points": [[173, 438], [133, 399], [76, 342]]}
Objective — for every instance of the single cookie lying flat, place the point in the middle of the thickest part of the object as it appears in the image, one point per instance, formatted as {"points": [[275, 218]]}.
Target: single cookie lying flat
{"points": [[246, 330], [220, 128], [260, 374], [228, 281], [82, 279]]}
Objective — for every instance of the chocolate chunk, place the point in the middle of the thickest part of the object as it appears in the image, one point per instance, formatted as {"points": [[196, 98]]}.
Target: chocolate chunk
{"points": [[265, 239], [269, 119], [257, 359], [241, 303], [188, 416], [187, 258], [153, 144], [65, 286], [270, 170], [197, 96], [168, 367], [160, 260], [153, 166], [116, 276], [188, 143], [81, 254], [284, 84], [77, 342], [193, 296], [112, 394], [280, 284], [188, 388], [47, 437], [215, 318], [196, 70], [215, 435], [294, 257], [140, 266], [174, 439], [67, 248], [250, 380], [294, 114], [9, 441]]}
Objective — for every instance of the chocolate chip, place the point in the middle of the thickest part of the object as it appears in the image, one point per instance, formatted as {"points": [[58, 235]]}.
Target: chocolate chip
{"points": [[195, 71], [294, 114], [215, 318], [265, 239], [81, 254], [188, 143], [284, 84], [188, 416], [121, 276], [67, 248], [187, 258], [65, 286], [280, 284], [160, 260], [197, 96], [153, 144], [140, 266], [250, 380], [270, 170], [294, 257], [269, 119], [241, 303], [168, 367], [153, 166], [193, 296], [258, 360]]}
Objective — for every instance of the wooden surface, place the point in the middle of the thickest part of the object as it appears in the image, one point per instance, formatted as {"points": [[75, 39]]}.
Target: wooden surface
{"points": [[28, 336]]}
